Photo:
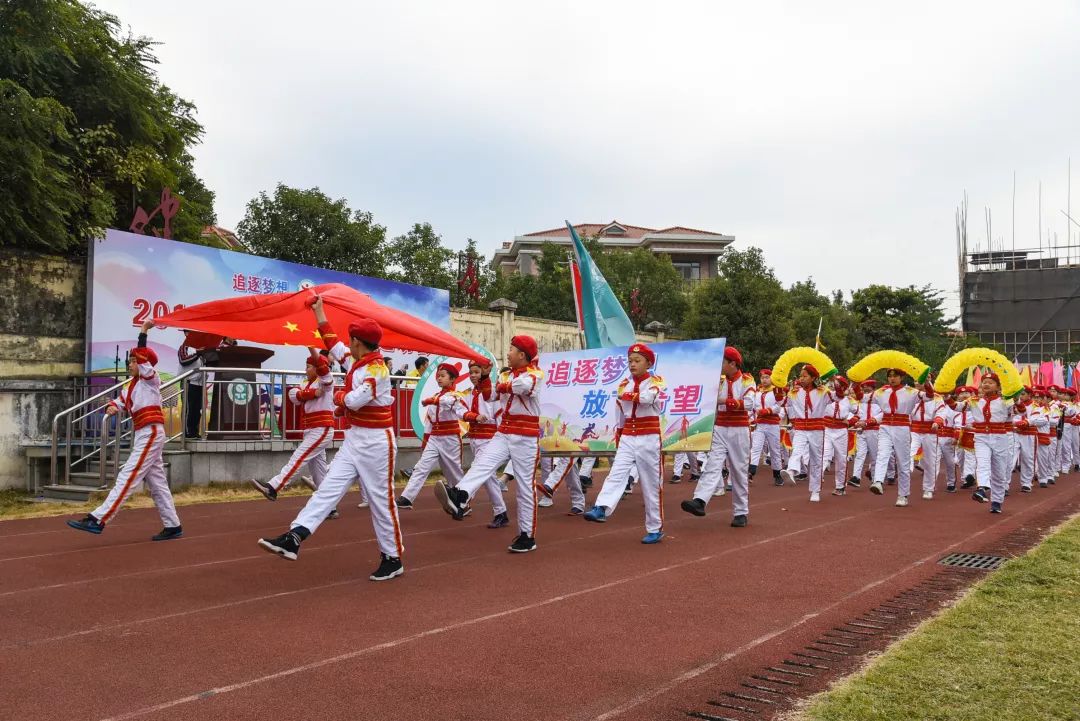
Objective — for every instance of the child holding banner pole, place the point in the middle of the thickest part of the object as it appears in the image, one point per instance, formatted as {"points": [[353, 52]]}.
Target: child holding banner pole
{"points": [[637, 443]]}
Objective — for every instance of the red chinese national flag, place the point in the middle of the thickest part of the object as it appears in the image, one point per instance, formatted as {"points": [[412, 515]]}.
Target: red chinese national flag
{"points": [[287, 319]]}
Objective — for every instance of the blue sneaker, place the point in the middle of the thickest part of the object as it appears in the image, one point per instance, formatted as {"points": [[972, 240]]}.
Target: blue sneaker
{"points": [[653, 537], [596, 514], [995, 507], [88, 524]]}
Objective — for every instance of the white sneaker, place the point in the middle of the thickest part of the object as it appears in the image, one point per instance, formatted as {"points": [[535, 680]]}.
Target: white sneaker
{"points": [[815, 497], [788, 476], [306, 480], [901, 501], [362, 504], [719, 491], [877, 489], [545, 502], [928, 495]]}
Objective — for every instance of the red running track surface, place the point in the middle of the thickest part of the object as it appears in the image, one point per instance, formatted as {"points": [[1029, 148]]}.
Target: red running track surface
{"points": [[591, 626]]}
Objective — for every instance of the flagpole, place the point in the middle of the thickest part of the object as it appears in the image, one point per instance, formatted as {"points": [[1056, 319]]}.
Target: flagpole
{"points": [[817, 339]]}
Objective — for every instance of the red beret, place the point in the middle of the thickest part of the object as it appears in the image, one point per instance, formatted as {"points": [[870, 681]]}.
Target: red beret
{"points": [[1056, 388], [732, 354], [1070, 391], [991, 376], [870, 384], [966, 389], [643, 350], [841, 383], [526, 344], [449, 369], [765, 372], [319, 363], [366, 330], [480, 363], [811, 370], [144, 355], [1032, 391]]}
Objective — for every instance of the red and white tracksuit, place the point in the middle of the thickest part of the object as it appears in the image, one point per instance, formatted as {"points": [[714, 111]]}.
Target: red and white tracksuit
{"points": [[992, 423], [318, 426], [368, 451], [806, 409], [142, 400], [838, 414], [517, 440], [565, 470], [963, 420], [1031, 422], [948, 436], [1055, 410], [730, 443], [894, 436], [925, 422], [442, 443], [1070, 438], [766, 433], [868, 414], [637, 423], [483, 403]]}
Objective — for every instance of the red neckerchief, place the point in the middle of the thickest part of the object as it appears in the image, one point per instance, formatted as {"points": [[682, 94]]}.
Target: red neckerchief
{"points": [[360, 363], [986, 409], [637, 384], [481, 390], [892, 398], [131, 388]]}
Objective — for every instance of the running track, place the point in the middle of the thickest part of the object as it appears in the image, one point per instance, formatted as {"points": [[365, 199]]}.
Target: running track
{"points": [[592, 626]]}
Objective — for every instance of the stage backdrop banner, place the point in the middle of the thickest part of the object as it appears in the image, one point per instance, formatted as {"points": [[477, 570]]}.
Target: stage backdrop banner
{"points": [[577, 406], [136, 277]]}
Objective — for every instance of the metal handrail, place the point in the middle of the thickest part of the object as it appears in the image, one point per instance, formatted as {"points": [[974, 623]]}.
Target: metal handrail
{"points": [[93, 402], [271, 378]]}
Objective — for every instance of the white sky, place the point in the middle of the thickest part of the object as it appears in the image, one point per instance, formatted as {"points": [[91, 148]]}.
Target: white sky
{"points": [[838, 137]]}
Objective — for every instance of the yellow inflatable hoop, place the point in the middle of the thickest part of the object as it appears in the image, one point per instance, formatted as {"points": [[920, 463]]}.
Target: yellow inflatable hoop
{"points": [[803, 354], [874, 362], [1011, 384]]}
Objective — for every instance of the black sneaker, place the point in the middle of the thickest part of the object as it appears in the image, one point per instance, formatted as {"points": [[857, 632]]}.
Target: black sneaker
{"points": [[287, 545], [951, 488], [264, 488], [890, 481], [445, 496], [586, 482], [333, 515], [739, 521], [501, 520], [403, 502], [389, 567], [407, 472], [800, 477], [752, 471], [1051, 481], [1043, 484], [694, 506], [995, 507], [522, 544], [979, 495], [777, 479], [88, 524], [1025, 489], [676, 478], [544, 490], [854, 481], [695, 477], [724, 473], [168, 533], [969, 481]]}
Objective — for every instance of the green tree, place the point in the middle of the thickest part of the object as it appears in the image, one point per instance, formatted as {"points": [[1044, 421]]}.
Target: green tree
{"points": [[548, 294], [485, 278], [809, 307], [306, 226], [419, 257], [659, 286], [745, 304], [909, 319], [125, 135]]}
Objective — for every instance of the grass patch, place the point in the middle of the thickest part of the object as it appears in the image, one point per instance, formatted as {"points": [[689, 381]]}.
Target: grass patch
{"points": [[1008, 650]]}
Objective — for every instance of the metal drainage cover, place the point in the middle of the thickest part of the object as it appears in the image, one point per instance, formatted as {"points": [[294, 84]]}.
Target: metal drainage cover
{"points": [[977, 561]]}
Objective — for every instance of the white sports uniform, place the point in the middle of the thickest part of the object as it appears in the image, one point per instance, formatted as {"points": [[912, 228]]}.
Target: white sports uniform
{"points": [[442, 443], [318, 424], [730, 443]]}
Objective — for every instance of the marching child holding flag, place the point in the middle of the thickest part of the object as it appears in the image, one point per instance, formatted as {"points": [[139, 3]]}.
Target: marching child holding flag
{"points": [[442, 444]]}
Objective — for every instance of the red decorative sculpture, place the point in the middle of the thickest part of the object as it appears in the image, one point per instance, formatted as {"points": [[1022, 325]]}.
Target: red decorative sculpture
{"points": [[169, 207]]}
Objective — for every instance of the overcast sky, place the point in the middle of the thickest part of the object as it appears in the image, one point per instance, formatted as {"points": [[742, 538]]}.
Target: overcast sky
{"points": [[838, 137]]}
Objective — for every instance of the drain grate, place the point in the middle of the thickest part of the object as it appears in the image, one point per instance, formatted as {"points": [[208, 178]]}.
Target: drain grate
{"points": [[978, 561]]}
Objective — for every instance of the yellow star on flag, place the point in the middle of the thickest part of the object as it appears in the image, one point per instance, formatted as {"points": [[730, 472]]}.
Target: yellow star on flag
{"points": [[317, 334], [291, 327]]}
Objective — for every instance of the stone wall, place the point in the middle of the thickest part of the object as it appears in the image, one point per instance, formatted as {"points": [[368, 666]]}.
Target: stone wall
{"points": [[494, 328]]}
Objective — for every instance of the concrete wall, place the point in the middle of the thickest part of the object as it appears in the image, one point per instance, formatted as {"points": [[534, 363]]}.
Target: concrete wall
{"points": [[42, 325]]}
